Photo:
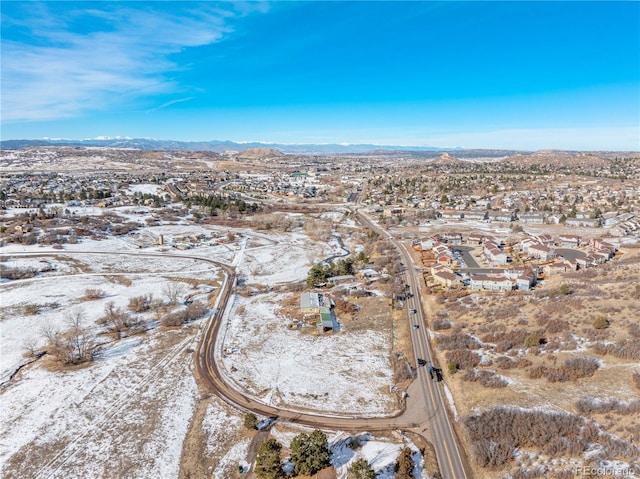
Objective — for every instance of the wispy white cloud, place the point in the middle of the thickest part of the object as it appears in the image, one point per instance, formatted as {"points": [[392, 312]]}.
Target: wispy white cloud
{"points": [[78, 60], [169, 103]]}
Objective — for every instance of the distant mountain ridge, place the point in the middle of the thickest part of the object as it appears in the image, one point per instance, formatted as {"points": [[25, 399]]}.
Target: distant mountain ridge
{"points": [[219, 146], [214, 145]]}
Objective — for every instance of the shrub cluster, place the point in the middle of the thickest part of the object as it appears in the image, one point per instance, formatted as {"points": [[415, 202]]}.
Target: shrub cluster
{"points": [[573, 368], [488, 379], [505, 362], [462, 358], [506, 340], [118, 321], [31, 309], [498, 432], [532, 340], [178, 318], [634, 330], [625, 349], [457, 340], [91, 294], [556, 326], [140, 304], [440, 323], [530, 473], [601, 323], [590, 405], [17, 273]]}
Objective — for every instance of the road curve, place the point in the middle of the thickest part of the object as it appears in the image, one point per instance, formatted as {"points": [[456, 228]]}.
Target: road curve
{"points": [[435, 419], [208, 372]]}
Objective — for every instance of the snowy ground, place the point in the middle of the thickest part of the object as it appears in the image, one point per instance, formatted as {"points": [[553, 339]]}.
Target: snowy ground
{"points": [[62, 290], [125, 415], [284, 259], [128, 413], [345, 373], [380, 452], [217, 424]]}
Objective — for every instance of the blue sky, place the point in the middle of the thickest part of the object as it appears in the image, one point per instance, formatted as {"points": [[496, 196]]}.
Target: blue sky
{"points": [[526, 75]]}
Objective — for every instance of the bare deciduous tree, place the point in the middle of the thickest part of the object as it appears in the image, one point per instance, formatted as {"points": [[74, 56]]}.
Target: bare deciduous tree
{"points": [[30, 346], [118, 321], [173, 291], [139, 304], [76, 345], [49, 332]]}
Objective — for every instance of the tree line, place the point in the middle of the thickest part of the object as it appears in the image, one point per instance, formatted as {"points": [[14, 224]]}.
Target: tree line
{"points": [[310, 453], [216, 203], [319, 272]]}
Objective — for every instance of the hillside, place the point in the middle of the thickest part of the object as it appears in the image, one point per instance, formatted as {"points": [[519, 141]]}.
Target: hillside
{"points": [[260, 153]]}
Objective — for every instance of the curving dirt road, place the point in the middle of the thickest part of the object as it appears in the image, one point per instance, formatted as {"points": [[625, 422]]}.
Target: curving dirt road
{"points": [[424, 411]]}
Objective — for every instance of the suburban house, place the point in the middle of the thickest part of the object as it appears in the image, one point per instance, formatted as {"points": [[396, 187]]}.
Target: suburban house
{"points": [[569, 241], [494, 254], [531, 218], [600, 246], [597, 258], [585, 222], [526, 280], [557, 267], [429, 243], [545, 240], [478, 215], [452, 238], [446, 277], [491, 283], [584, 262], [525, 276], [526, 243], [475, 238], [443, 254], [541, 252], [501, 216]]}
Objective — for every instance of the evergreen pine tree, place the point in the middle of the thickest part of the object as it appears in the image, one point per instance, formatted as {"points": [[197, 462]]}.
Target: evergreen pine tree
{"points": [[310, 453], [268, 465], [361, 469]]}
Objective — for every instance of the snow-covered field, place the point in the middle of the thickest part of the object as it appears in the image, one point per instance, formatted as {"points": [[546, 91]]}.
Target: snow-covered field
{"points": [[344, 373], [62, 290], [128, 413], [217, 424]]}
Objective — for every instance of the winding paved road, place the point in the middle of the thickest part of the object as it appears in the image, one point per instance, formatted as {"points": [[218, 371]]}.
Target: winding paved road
{"points": [[424, 411]]}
